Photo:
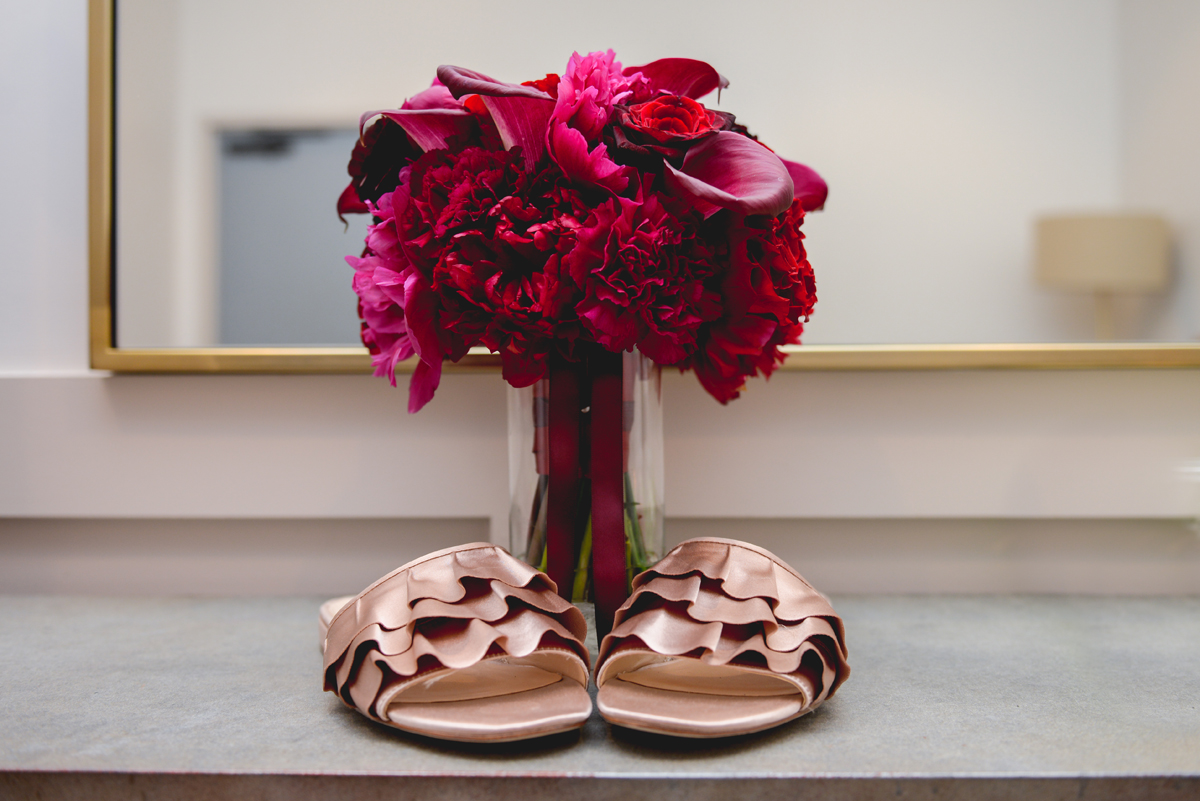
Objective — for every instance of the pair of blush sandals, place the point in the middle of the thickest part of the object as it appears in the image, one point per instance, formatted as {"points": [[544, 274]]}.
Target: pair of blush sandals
{"points": [[720, 638]]}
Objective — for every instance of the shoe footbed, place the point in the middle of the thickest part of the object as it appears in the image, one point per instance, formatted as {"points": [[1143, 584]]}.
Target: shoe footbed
{"points": [[686, 714], [553, 708]]}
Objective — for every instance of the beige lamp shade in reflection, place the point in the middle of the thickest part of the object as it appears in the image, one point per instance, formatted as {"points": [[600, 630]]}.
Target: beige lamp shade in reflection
{"points": [[1103, 254]]}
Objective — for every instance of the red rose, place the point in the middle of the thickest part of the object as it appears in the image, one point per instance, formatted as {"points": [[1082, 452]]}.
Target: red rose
{"points": [[670, 118]]}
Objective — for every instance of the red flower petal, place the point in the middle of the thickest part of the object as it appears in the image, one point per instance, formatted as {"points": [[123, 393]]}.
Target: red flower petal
{"points": [[614, 326], [549, 84], [521, 366], [349, 203], [681, 76], [719, 367], [734, 172], [810, 188], [662, 349]]}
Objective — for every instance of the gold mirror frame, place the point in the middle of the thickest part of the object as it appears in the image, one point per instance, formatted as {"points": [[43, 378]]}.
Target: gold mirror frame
{"points": [[105, 355]]}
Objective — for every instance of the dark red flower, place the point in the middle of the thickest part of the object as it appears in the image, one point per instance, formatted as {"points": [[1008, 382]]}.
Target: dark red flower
{"points": [[490, 237], [375, 165], [651, 282], [769, 291]]}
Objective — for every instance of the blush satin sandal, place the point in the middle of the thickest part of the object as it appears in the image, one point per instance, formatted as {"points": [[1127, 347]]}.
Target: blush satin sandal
{"points": [[720, 638], [465, 644]]}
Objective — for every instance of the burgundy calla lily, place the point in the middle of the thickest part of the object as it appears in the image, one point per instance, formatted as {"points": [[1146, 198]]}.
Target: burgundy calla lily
{"points": [[686, 77], [521, 113], [428, 128], [461, 81], [521, 122], [810, 188], [731, 171]]}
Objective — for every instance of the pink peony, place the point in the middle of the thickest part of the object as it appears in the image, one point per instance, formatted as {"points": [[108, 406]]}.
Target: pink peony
{"points": [[589, 89]]}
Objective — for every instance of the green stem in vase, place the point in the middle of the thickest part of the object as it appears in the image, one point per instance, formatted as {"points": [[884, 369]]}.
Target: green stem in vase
{"points": [[631, 568], [583, 567], [535, 541], [637, 545]]}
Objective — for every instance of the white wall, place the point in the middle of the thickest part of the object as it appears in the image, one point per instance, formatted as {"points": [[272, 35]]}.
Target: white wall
{"points": [[1161, 140], [883, 445], [76, 444], [43, 194]]}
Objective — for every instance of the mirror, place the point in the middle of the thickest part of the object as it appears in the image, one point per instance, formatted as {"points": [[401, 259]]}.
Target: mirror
{"points": [[945, 130]]}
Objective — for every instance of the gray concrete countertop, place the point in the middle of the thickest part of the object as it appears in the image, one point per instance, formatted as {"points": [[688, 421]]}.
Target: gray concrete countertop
{"points": [[979, 697]]}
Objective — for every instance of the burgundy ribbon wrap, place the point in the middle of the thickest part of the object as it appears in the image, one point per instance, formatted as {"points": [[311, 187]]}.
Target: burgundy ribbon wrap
{"points": [[568, 382], [563, 489]]}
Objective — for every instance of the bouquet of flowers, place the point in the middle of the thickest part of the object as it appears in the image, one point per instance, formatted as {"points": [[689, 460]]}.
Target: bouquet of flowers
{"points": [[579, 225], [606, 208]]}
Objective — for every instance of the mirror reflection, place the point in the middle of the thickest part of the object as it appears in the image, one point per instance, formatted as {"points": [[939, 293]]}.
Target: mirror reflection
{"points": [[278, 248], [950, 135]]}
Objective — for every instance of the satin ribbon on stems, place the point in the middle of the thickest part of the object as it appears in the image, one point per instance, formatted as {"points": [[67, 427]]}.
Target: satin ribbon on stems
{"points": [[606, 471], [563, 490], [608, 491]]}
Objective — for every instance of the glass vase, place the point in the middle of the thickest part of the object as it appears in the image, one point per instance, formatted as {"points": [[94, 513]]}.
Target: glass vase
{"points": [[642, 446]]}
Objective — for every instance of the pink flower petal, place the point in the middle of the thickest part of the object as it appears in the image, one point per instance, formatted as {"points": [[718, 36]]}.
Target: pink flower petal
{"points": [[589, 87], [570, 151], [389, 283], [734, 172], [387, 321], [424, 383], [521, 122], [436, 96], [420, 310], [461, 81], [392, 350], [681, 76], [810, 188]]}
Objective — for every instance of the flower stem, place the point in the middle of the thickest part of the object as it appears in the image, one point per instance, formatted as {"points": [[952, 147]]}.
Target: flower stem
{"points": [[637, 544], [535, 540], [583, 567]]}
